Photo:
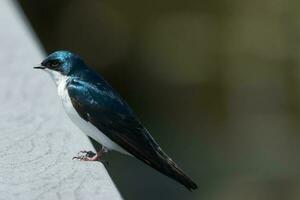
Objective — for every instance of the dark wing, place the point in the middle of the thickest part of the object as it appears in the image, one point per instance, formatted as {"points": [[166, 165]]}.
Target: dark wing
{"points": [[104, 108]]}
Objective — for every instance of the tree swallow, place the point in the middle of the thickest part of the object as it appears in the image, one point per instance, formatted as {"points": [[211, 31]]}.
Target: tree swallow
{"points": [[100, 112]]}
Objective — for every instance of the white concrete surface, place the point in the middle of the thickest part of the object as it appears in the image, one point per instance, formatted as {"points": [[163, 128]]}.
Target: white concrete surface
{"points": [[37, 140]]}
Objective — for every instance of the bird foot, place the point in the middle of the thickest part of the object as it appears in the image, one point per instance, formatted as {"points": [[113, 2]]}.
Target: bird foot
{"points": [[91, 156], [86, 156]]}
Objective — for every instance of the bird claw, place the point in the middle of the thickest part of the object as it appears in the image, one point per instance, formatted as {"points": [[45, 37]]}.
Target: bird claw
{"points": [[84, 155], [90, 156]]}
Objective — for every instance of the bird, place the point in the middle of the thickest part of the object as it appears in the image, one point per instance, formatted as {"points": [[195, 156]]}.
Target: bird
{"points": [[102, 114]]}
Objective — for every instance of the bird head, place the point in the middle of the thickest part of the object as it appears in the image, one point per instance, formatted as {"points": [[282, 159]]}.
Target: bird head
{"points": [[63, 62]]}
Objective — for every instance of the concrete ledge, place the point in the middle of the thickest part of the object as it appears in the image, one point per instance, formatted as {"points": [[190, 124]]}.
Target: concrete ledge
{"points": [[37, 140]]}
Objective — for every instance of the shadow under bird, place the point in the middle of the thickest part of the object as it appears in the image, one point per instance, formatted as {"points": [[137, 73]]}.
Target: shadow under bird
{"points": [[99, 111]]}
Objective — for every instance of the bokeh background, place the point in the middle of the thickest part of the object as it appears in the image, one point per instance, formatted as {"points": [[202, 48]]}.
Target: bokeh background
{"points": [[215, 82]]}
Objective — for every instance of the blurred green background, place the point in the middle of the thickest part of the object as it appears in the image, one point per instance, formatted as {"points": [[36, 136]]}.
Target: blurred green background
{"points": [[215, 82]]}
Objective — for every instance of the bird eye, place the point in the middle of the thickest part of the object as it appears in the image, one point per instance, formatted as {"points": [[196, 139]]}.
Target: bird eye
{"points": [[54, 63]]}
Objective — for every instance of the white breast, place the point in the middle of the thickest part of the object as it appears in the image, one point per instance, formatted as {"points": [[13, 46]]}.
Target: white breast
{"points": [[83, 125]]}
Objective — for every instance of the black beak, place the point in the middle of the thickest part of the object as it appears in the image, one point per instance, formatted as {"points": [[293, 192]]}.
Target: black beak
{"points": [[39, 67]]}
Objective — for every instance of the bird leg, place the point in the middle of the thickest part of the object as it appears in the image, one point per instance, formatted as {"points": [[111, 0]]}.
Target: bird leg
{"points": [[91, 156]]}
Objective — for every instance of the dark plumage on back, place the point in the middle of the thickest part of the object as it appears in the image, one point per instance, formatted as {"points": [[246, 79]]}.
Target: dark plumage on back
{"points": [[97, 102]]}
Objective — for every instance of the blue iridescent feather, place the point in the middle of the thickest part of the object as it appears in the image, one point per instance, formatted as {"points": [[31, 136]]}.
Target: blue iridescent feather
{"points": [[99, 104]]}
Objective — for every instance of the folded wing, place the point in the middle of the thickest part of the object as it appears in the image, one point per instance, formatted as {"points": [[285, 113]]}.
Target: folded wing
{"points": [[100, 105]]}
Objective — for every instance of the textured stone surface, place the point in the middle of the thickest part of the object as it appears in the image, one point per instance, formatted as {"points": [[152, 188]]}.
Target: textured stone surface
{"points": [[37, 140]]}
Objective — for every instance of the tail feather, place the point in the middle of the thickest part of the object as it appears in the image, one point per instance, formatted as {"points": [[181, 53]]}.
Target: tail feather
{"points": [[171, 169], [179, 175], [159, 160]]}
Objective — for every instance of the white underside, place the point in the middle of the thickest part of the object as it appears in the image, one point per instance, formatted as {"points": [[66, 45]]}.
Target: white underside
{"points": [[86, 127]]}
